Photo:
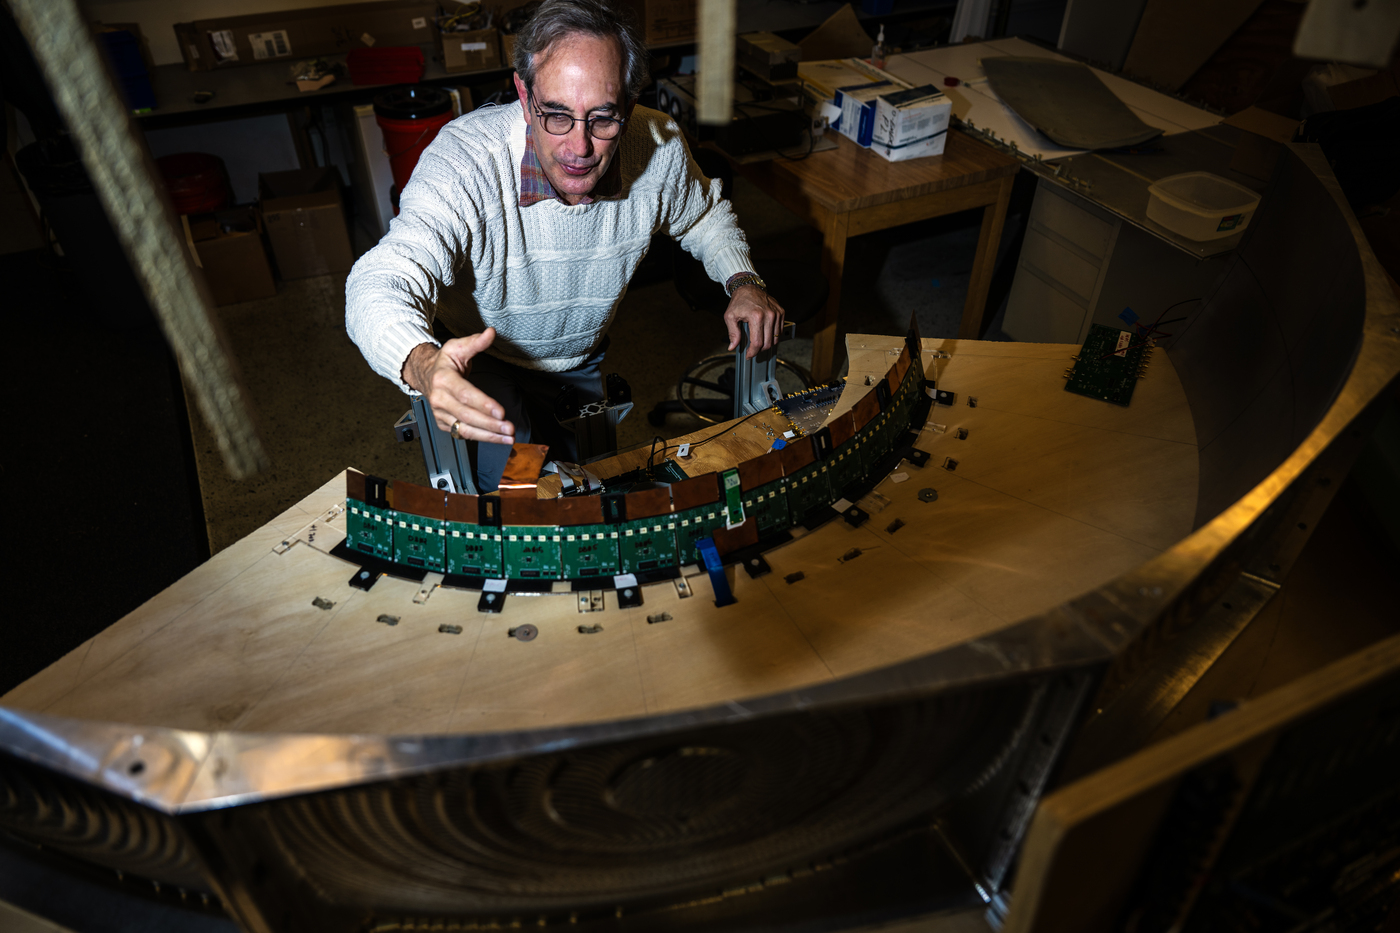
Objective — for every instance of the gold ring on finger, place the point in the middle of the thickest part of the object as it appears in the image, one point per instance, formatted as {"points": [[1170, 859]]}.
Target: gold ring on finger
{"points": [[456, 430]]}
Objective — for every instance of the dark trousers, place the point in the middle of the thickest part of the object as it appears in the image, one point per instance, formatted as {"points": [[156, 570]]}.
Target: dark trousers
{"points": [[527, 396]]}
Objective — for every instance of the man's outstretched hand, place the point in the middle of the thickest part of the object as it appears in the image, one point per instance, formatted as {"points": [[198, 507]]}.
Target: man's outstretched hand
{"points": [[765, 316], [440, 374]]}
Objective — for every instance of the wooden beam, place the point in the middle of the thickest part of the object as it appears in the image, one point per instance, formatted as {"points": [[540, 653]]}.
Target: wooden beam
{"points": [[715, 91]]}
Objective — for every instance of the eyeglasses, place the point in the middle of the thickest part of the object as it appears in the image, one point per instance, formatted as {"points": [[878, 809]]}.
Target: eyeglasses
{"points": [[561, 124]]}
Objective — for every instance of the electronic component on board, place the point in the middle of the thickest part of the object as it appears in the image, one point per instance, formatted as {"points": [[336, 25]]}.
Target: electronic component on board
{"points": [[765, 494], [1109, 364], [733, 499], [420, 527], [471, 548], [647, 540], [530, 538], [588, 547], [697, 512], [369, 526]]}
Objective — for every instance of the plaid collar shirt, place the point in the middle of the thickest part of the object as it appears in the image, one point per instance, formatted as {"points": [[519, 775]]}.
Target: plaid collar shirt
{"points": [[535, 186]]}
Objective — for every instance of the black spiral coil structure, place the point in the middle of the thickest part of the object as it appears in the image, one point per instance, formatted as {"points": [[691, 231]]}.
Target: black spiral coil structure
{"points": [[93, 825], [641, 821]]}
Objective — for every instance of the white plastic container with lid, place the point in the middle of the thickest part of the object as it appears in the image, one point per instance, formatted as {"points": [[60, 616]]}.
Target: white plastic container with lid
{"points": [[1201, 206]]}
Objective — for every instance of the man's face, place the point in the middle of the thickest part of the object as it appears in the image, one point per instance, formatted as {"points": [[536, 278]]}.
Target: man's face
{"points": [[580, 76]]}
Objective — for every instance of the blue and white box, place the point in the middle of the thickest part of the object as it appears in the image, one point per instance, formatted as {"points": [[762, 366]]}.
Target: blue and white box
{"points": [[857, 106], [911, 124]]}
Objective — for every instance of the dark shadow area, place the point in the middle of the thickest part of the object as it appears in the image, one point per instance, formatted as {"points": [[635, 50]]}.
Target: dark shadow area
{"points": [[111, 508]]}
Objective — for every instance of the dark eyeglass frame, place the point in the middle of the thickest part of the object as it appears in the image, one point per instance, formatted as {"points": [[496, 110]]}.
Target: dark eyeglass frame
{"points": [[588, 122]]}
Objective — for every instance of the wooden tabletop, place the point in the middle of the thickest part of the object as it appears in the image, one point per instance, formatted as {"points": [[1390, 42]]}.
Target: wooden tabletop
{"points": [[1053, 494], [849, 178]]}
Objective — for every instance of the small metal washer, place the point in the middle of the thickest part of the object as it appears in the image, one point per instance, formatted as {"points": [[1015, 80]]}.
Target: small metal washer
{"points": [[526, 632], [928, 494]]}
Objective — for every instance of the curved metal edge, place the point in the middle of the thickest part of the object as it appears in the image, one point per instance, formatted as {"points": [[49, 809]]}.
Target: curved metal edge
{"points": [[1259, 536], [184, 772]]}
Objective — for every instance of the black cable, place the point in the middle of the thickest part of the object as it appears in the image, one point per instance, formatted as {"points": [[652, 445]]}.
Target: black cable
{"points": [[1157, 323], [696, 444]]}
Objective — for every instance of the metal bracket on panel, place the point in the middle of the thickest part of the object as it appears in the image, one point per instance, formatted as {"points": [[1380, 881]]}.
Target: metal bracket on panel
{"points": [[445, 457], [406, 428], [594, 423], [364, 578], [431, 582], [493, 596], [755, 380]]}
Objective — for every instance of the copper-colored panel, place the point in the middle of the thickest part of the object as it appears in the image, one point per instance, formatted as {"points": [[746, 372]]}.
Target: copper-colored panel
{"points": [[866, 409], [892, 379], [698, 490], [419, 500], [902, 364], [842, 429], [648, 502], [523, 468], [796, 455], [579, 510], [355, 485], [760, 471], [527, 510], [728, 541], [461, 508]]}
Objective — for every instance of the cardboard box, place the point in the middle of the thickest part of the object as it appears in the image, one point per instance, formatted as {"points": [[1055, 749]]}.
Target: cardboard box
{"points": [[305, 222], [823, 78], [232, 41], [666, 21], [228, 246], [473, 50], [911, 124], [857, 106], [770, 57], [1261, 140]]}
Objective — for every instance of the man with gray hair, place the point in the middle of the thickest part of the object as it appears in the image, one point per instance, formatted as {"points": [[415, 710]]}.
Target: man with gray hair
{"points": [[519, 232]]}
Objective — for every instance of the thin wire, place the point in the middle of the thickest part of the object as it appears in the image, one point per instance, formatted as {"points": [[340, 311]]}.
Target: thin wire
{"points": [[730, 428], [1156, 323]]}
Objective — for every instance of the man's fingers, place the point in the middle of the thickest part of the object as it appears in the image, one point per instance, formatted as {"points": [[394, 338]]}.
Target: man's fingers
{"points": [[472, 397], [733, 326], [476, 426]]}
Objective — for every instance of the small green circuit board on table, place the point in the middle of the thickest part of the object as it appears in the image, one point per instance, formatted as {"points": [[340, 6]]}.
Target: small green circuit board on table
{"points": [[1109, 364]]}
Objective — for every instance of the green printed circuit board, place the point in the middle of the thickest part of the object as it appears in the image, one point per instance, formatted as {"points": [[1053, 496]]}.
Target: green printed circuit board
{"points": [[1109, 364]]}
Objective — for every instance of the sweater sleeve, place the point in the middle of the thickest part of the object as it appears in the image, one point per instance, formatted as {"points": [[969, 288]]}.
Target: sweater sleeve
{"points": [[392, 291], [702, 221]]}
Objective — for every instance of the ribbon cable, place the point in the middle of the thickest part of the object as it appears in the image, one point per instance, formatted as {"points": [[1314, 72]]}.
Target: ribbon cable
{"points": [[715, 568]]}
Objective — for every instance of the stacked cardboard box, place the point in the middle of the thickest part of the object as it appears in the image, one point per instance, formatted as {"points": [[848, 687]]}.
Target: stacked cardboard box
{"points": [[228, 246], [305, 222]]}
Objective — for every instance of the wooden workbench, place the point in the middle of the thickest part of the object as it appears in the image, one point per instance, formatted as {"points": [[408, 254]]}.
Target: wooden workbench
{"points": [[1052, 494], [847, 191]]}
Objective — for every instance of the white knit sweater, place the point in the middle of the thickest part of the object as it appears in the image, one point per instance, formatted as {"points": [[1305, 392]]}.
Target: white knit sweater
{"points": [[549, 276]]}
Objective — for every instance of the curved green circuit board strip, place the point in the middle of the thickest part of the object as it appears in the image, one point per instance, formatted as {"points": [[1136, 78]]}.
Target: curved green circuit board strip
{"points": [[408, 530]]}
